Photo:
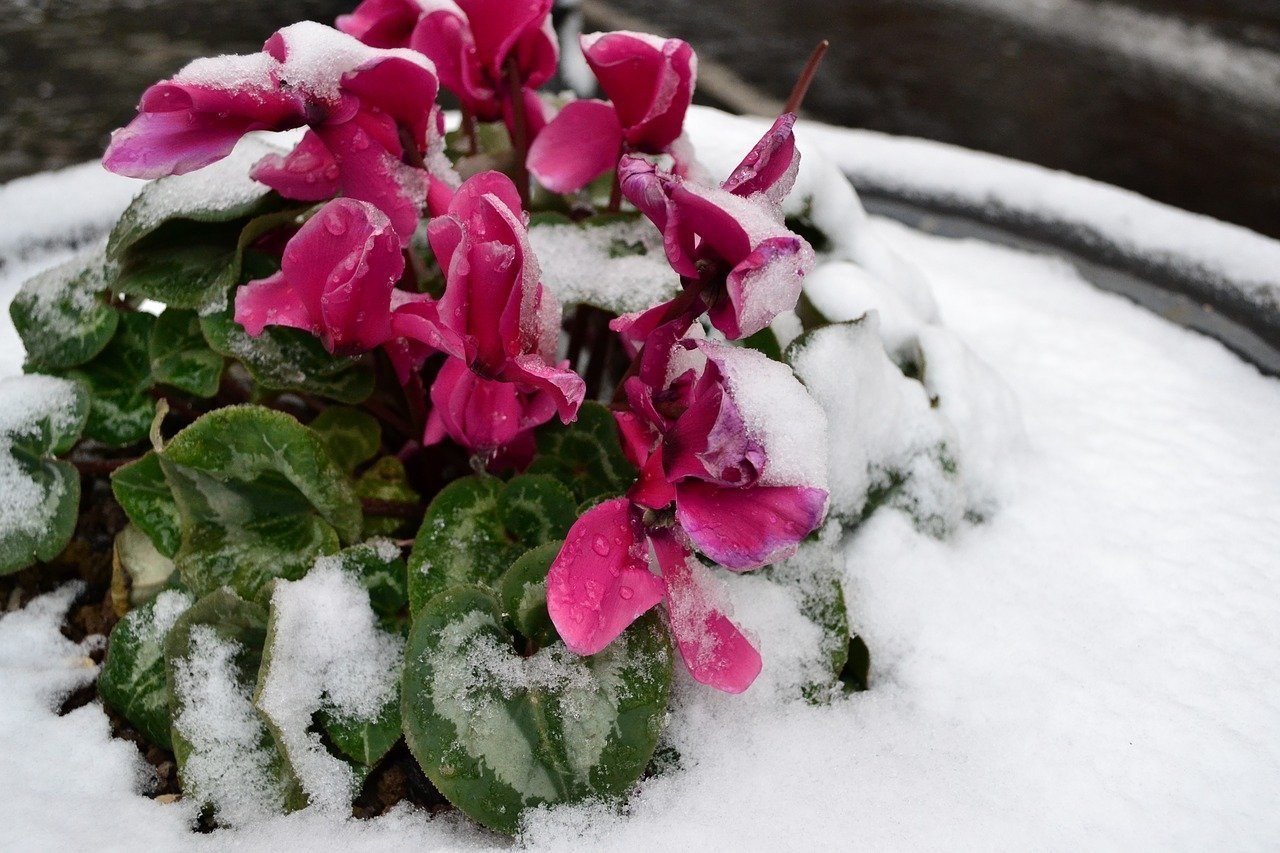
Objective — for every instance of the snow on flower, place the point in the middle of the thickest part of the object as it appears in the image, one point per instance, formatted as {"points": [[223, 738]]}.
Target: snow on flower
{"points": [[649, 82], [731, 442], [737, 261], [367, 111], [509, 381]]}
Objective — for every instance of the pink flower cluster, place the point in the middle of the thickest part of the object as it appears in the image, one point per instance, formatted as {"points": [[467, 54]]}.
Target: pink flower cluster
{"points": [[719, 479]]}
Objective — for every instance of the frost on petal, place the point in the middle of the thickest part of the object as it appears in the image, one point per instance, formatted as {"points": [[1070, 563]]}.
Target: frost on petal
{"points": [[762, 285], [600, 582], [579, 145], [744, 529], [714, 650]]}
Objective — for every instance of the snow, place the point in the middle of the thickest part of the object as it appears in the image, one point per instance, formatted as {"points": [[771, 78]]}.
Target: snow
{"points": [[29, 503], [577, 264], [1092, 667], [326, 653]]}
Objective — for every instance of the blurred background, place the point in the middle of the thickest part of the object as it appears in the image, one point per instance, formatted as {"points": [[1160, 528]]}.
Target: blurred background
{"points": [[1176, 99]]}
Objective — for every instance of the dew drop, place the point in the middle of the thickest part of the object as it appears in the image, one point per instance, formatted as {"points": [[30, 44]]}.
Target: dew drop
{"points": [[625, 593], [336, 225], [601, 546]]}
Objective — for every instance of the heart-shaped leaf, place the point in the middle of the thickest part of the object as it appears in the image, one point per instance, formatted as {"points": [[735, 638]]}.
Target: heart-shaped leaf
{"points": [[119, 382], [180, 356], [284, 359], [352, 435], [62, 315], [40, 416], [498, 733], [226, 757], [135, 557], [585, 455], [523, 592], [386, 480], [476, 526], [144, 494], [132, 679], [258, 497]]}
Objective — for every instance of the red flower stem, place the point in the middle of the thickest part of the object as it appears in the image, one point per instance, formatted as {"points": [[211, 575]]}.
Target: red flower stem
{"points": [[615, 193], [391, 509], [806, 77], [519, 131], [469, 131], [415, 394]]}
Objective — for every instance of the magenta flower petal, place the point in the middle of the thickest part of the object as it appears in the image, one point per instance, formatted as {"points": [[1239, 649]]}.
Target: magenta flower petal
{"points": [[443, 36], [748, 528], [403, 89], [714, 650], [649, 80], [648, 189], [382, 23], [771, 166], [307, 173], [197, 117], [600, 581], [564, 386], [369, 172], [762, 286], [337, 273], [519, 30], [579, 145], [417, 317]]}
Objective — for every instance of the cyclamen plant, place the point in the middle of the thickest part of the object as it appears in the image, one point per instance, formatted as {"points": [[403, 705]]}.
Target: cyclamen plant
{"points": [[354, 336]]}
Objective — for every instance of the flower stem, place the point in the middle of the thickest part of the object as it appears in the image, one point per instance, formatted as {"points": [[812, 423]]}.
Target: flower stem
{"points": [[806, 77], [519, 130], [469, 131]]}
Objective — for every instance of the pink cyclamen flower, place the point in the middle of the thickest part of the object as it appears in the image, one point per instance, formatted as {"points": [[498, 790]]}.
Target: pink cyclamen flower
{"points": [[509, 381], [472, 43], [360, 105], [730, 441], [338, 280], [728, 243], [649, 82]]}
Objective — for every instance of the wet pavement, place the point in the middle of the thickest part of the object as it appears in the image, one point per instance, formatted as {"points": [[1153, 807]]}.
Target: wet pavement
{"points": [[1176, 99]]}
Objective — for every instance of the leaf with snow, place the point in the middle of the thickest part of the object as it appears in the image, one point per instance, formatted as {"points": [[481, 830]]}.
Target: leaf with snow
{"points": [[119, 382], [132, 679], [499, 734], [258, 497], [40, 417], [181, 357], [284, 359], [585, 455], [226, 757], [325, 655], [62, 315], [475, 527], [145, 496]]}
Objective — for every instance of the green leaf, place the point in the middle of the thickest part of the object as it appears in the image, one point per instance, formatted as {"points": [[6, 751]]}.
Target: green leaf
{"points": [[119, 382], [352, 435], [536, 508], [180, 356], [380, 568], [144, 494], [40, 416], [585, 455], [226, 756], [385, 480], [365, 742], [137, 557], [499, 734], [462, 540], [524, 594], [285, 359], [132, 679], [476, 526], [766, 342], [258, 497], [62, 315]]}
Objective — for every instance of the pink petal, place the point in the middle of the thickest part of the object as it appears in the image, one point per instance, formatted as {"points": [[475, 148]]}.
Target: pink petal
{"points": [[417, 317], [748, 528], [184, 125], [770, 167], [381, 23], [273, 301], [637, 437], [521, 30], [307, 173], [709, 440], [403, 89], [714, 650], [482, 414], [600, 582], [649, 190], [762, 286], [649, 80], [579, 145], [725, 223], [443, 36], [564, 386], [370, 172]]}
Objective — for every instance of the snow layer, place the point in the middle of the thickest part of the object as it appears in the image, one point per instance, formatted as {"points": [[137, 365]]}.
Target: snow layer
{"points": [[1093, 667]]}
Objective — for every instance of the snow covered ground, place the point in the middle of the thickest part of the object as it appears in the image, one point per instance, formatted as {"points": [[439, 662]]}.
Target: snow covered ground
{"points": [[1093, 667]]}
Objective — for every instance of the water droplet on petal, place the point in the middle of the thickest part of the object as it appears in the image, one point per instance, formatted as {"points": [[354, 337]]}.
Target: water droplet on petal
{"points": [[336, 225], [601, 546], [625, 593]]}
